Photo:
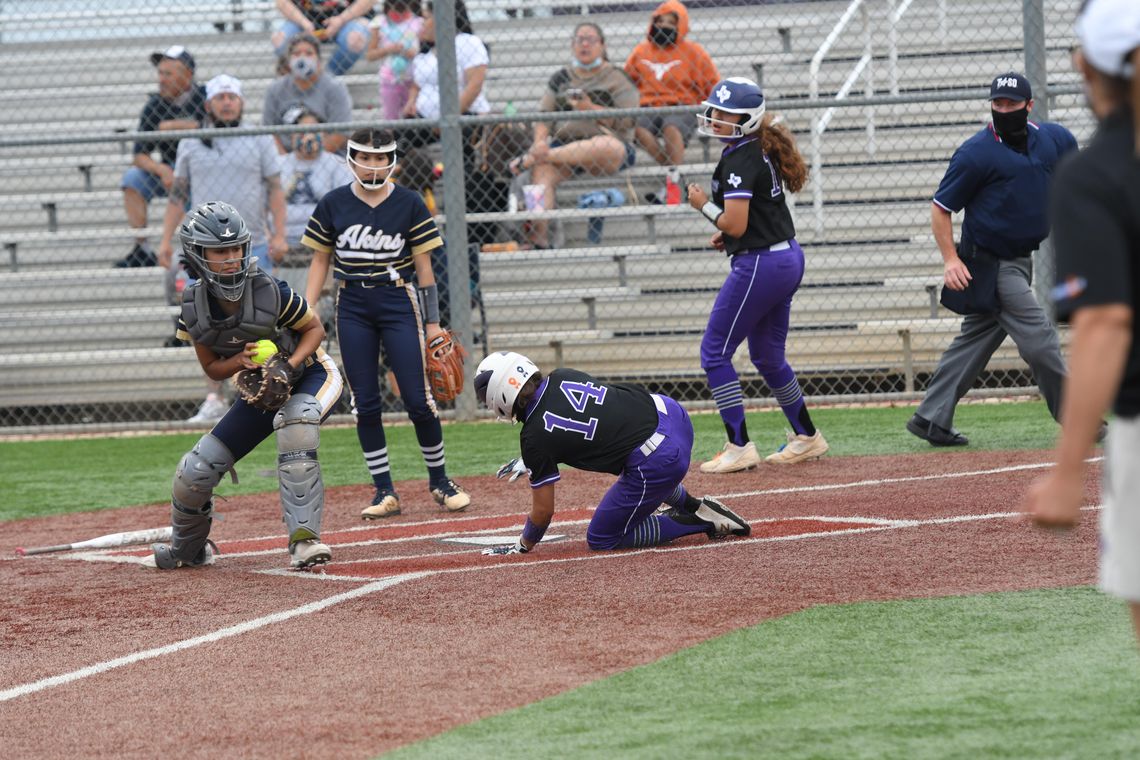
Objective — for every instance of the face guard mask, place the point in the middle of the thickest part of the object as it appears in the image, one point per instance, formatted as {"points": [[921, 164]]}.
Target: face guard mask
{"points": [[377, 178], [705, 123], [662, 36]]}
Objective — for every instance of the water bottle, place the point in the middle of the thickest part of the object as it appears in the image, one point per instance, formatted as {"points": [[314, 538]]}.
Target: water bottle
{"points": [[673, 187]]}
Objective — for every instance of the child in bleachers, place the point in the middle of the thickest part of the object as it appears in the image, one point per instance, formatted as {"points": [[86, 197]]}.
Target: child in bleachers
{"points": [[395, 41]]}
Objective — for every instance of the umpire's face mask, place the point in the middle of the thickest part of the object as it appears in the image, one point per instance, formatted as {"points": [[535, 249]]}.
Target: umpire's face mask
{"points": [[1012, 126]]}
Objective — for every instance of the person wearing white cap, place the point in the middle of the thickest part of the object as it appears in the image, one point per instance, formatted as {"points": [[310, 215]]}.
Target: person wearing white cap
{"points": [[178, 104], [1096, 207], [241, 171]]}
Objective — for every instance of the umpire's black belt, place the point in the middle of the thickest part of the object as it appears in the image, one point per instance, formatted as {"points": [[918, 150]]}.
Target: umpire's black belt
{"points": [[374, 283]]}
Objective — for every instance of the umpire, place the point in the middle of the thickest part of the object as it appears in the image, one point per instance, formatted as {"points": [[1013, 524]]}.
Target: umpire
{"points": [[1097, 202], [1000, 176]]}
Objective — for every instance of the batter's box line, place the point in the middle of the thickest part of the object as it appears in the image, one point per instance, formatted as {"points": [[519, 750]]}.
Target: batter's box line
{"points": [[892, 481]]}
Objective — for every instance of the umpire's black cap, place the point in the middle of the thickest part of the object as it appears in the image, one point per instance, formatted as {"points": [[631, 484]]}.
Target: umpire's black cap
{"points": [[1011, 85]]}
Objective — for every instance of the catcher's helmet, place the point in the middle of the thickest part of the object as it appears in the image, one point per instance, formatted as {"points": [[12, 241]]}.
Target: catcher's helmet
{"points": [[733, 95], [499, 379], [216, 225]]}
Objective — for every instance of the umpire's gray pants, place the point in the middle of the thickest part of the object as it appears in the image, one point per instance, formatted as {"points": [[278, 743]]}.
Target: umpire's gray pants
{"points": [[1020, 317]]}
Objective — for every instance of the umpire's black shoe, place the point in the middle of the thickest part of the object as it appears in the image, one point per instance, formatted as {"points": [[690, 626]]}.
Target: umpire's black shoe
{"points": [[935, 435]]}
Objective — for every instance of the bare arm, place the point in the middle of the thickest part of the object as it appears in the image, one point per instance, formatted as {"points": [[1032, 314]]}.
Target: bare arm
{"points": [[294, 14], [426, 278], [473, 79], [1097, 355], [171, 124], [954, 273], [312, 335], [277, 244], [175, 210], [217, 368], [318, 271], [733, 221]]}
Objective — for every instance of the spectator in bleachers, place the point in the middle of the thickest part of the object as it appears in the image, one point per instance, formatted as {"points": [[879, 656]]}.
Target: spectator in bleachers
{"points": [[471, 61], [179, 104], [307, 87], [241, 171], [669, 70], [307, 174], [338, 21], [394, 42], [596, 146]]}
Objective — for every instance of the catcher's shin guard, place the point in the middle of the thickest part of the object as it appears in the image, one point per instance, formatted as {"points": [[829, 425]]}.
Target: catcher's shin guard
{"points": [[199, 472], [188, 539], [298, 471]]}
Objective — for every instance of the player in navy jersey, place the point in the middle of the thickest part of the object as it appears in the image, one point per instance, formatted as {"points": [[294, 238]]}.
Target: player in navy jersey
{"points": [[379, 237], [754, 228], [571, 418], [230, 307]]}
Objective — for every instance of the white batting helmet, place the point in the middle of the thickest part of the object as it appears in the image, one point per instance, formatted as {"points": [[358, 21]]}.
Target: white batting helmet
{"points": [[499, 379]]}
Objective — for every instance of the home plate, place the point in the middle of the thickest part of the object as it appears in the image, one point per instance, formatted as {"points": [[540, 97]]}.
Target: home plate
{"points": [[485, 540]]}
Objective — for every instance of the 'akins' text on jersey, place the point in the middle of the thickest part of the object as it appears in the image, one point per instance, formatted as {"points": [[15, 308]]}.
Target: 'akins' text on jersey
{"points": [[372, 243], [746, 173], [578, 421]]}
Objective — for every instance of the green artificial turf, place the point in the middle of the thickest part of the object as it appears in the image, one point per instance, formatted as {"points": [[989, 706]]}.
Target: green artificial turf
{"points": [[59, 476], [1041, 674]]}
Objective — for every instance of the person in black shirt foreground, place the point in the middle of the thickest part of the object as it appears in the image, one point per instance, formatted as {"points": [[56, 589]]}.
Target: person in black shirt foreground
{"points": [[1096, 211], [644, 438]]}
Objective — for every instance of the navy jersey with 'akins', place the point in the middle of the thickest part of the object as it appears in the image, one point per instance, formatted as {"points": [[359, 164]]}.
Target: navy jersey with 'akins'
{"points": [[372, 243], [578, 421], [745, 173]]}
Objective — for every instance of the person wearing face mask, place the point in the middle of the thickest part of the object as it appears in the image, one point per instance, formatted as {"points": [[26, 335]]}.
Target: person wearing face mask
{"points": [[343, 22], [1001, 178], [1096, 202], [669, 70], [308, 86], [308, 173], [379, 239], [600, 146]]}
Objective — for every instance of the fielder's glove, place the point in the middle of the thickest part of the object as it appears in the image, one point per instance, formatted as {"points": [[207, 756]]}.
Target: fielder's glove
{"points": [[515, 548], [444, 364], [514, 468], [269, 386]]}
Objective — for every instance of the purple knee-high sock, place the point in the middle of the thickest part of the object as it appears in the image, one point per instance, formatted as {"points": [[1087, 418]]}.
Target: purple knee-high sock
{"points": [[725, 386], [786, 388]]}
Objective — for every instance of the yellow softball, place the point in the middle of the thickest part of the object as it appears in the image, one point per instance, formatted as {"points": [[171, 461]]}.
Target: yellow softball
{"points": [[264, 350]]}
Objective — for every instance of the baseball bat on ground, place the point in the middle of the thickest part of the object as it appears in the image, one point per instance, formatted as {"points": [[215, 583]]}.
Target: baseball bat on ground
{"points": [[109, 541]]}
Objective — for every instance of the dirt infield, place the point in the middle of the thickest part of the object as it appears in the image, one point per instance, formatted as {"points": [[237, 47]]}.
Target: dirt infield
{"points": [[411, 631]]}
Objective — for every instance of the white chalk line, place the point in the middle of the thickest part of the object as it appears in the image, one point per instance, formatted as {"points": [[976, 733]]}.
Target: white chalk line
{"points": [[209, 638]]}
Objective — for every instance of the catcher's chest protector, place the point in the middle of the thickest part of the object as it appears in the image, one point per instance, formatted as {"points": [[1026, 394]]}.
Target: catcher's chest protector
{"points": [[255, 320]]}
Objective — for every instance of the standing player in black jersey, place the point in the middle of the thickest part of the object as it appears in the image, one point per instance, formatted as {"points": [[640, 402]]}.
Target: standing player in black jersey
{"points": [[754, 228], [230, 307], [378, 237], [1096, 234], [571, 418]]}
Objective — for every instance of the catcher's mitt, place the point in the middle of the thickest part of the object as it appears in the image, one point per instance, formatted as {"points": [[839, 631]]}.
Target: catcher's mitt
{"points": [[268, 387], [444, 364]]}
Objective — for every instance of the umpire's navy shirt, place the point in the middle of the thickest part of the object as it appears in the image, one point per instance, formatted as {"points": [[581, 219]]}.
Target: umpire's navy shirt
{"points": [[1005, 193]]}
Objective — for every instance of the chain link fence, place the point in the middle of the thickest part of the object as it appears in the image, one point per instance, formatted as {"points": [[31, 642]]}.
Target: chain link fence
{"points": [[556, 159]]}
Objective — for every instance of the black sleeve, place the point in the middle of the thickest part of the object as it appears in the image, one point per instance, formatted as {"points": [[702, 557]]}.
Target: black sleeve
{"points": [[745, 173], [148, 122], [1090, 238]]}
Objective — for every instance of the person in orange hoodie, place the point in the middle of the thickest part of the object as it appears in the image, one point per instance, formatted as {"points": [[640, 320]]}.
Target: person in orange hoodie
{"points": [[669, 70]]}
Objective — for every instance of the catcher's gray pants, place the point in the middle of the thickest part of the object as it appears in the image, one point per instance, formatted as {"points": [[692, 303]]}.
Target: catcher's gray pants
{"points": [[1023, 319]]}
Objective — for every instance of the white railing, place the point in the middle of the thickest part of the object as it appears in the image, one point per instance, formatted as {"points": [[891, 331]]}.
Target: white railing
{"points": [[863, 67]]}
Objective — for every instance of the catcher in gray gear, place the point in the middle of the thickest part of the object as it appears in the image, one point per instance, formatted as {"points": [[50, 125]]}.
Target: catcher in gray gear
{"points": [[230, 307]]}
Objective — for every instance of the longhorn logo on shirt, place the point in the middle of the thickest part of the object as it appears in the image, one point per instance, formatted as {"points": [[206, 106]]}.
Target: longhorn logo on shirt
{"points": [[360, 237], [661, 69], [723, 93]]}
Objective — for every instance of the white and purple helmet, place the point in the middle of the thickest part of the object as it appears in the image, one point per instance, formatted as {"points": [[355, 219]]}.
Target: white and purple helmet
{"points": [[733, 95], [499, 379]]}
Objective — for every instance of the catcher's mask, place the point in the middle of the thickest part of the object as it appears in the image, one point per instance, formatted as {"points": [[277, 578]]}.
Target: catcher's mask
{"points": [[735, 95], [371, 178], [499, 379], [216, 225]]}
